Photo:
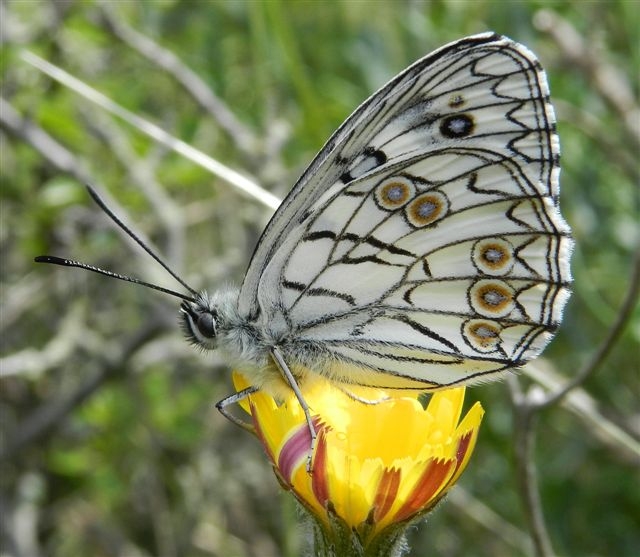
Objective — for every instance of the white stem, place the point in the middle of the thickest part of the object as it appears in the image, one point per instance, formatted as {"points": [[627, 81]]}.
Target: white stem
{"points": [[234, 178]]}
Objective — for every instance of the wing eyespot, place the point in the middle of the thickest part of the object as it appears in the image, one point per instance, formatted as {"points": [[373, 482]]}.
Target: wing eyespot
{"points": [[457, 125], [427, 209], [492, 298], [482, 335], [493, 256], [394, 193]]}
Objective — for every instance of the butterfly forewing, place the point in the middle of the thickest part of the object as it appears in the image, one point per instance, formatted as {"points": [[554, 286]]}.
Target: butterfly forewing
{"points": [[424, 245]]}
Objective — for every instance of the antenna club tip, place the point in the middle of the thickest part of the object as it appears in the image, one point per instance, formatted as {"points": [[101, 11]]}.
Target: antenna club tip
{"points": [[49, 259]]}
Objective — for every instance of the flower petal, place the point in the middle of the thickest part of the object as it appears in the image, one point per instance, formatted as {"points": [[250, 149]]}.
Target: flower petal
{"points": [[435, 477], [294, 452]]}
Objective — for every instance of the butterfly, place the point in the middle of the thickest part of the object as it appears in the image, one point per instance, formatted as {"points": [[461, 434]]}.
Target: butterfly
{"points": [[423, 248]]}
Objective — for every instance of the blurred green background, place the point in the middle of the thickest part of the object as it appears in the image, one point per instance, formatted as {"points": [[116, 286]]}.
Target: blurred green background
{"points": [[111, 445]]}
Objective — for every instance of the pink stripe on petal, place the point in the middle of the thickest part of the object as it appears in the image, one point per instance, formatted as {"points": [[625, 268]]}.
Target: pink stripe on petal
{"points": [[294, 451]]}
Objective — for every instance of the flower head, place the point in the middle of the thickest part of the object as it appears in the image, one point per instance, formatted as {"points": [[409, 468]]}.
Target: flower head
{"points": [[375, 465]]}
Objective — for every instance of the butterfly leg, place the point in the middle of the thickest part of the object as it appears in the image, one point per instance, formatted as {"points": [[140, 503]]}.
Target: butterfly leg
{"points": [[234, 399], [286, 372]]}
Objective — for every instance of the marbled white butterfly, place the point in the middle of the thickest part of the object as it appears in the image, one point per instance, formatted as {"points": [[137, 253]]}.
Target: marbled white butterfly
{"points": [[422, 248]]}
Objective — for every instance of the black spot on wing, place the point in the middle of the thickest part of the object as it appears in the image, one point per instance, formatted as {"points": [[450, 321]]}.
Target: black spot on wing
{"points": [[298, 286], [368, 259], [472, 185], [332, 294], [352, 193], [425, 267], [320, 234], [351, 237], [379, 156], [346, 178], [371, 158], [373, 241], [376, 243]]}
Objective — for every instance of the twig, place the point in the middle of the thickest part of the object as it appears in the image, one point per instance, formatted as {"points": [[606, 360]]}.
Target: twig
{"points": [[159, 508], [69, 334], [612, 84], [527, 473], [50, 415], [20, 298], [623, 442], [526, 409], [52, 151], [185, 76], [229, 175], [614, 334], [21, 516], [464, 502], [57, 155], [154, 491]]}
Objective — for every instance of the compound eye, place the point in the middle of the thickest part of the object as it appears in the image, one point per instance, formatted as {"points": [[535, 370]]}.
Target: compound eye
{"points": [[207, 325]]}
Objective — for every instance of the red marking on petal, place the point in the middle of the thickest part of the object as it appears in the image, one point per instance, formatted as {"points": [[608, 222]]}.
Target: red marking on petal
{"points": [[319, 477], [386, 493], [463, 447], [433, 478]]}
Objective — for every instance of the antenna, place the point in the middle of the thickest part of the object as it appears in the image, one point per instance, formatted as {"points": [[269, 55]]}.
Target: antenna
{"points": [[135, 238], [71, 263]]}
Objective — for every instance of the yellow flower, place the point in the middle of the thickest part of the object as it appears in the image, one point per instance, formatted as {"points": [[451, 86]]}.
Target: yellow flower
{"points": [[375, 465]]}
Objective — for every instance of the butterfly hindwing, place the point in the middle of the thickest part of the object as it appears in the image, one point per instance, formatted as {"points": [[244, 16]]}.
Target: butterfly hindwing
{"points": [[424, 245]]}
